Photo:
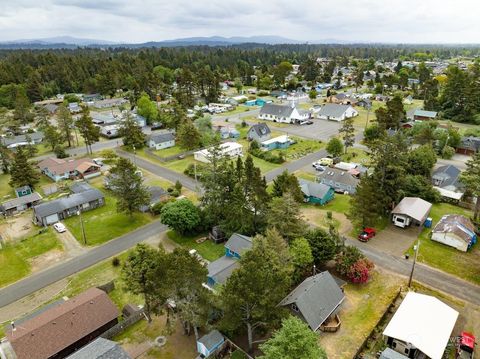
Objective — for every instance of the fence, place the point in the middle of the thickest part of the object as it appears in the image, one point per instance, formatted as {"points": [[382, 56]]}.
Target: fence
{"points": [[124, 324]]}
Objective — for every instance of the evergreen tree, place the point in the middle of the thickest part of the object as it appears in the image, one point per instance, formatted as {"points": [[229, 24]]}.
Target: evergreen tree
{"points": [[87, 129], [324, 245], [22, 172], [30, 148], [21, 113], [127, 185], [335, 147], [131, 133], [188, 136], [391, 116], [65, 124], [34, 87], [286, 182], [347, 131], [5, 158], [471, 179], [284, 216]]}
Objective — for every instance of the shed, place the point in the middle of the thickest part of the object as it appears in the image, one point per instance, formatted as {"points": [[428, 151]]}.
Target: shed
{"points": [[423, 324], [318, 193], [411, 210], [456, 231], [20, 203], [237, 244], [23, 191], [210, 343]]}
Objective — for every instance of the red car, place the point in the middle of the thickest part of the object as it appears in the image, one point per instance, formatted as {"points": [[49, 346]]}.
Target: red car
{"points": [[366, 234], [465, 346]]}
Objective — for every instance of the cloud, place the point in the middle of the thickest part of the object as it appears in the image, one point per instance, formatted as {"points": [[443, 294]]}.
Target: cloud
{"points": [[408, 21]]}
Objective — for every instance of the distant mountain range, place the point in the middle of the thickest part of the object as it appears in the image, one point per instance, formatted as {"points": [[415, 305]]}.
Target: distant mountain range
{"points": [[72, 42]]}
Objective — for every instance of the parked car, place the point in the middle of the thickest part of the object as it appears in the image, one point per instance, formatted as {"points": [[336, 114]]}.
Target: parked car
{"points": [[98, 161], [465, 346], [59, 227], [306, 122], [318, 167], [367, 234]]}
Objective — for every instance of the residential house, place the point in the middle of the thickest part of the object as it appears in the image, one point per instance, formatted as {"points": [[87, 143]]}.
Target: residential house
{"points": [[317, 193], [391, 354], [15, 205], [446, 180], [33, 138], [230, 149], [341, 181], [280, 142], [59, 169], [335, 112], [469, 146], [210, 343], [259, 132], [282, 113], [421, 327], [221, 269], [23, 191], [257, 102], [51, 108], [101, 348], [110, 102], [92, 97], [456, 231], [408, 100], [411, 210], [365, 103], [342, 99], [74, 107], [157, 194], [316, 300], [64, 207], [422, 115], [160, 141], [59, 330]]}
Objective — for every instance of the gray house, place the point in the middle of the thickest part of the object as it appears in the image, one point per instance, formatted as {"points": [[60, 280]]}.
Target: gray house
{"points": [[22, 140], [100, 348], [316, 299], [446, 179], [160, 141], [259, 132], [56, 210], [18, 204], [341, 181]]}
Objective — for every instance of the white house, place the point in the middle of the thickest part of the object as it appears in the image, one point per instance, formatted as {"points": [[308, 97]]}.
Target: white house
{"points": [[455, 231], [282, 113], [336, 112], [421, 325], [231, 149], [160, 141]]}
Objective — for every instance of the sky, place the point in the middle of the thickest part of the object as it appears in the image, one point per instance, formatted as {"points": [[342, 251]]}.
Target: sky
{"points": [[135, 21]]}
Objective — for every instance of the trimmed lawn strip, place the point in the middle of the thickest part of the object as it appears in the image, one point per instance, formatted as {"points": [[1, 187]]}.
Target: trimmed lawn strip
{"points": [[443, 257], [6, 191], [208, 250], [14, 257]]}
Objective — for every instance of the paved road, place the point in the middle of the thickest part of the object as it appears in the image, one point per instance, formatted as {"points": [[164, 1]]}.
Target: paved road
{"points": [[163, 172], [53, 274], [296, 165], [423, 274]]}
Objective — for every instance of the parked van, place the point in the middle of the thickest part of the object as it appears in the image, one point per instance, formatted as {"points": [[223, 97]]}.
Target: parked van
{"points": [[401, 221], [326, 161]]}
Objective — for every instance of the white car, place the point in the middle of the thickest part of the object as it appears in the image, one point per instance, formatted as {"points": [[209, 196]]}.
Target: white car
{"points": [[59, 227]]}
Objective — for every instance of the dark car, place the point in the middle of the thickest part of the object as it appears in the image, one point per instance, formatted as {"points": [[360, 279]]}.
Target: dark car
{"points": [[367, 234]]}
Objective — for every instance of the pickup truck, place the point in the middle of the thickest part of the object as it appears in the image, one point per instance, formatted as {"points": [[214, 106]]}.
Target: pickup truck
{"points": [[465, 346]]}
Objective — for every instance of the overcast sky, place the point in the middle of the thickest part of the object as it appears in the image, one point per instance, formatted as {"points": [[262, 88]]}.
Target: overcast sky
{"points": [[407, 21]]}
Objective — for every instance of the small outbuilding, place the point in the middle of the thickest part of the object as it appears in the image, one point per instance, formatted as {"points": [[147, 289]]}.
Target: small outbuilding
{"points": [[422, 325], [19, 204], [411, 210], [317, 193], [456, 231], [210, 343]]}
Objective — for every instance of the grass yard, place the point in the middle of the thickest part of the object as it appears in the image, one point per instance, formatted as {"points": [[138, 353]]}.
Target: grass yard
{"points": [[356, 155], [105, 223], [448, 259], [240, 109], [362, 309], [6, 191], [208, 250], [308, 176], [300, 148], [167, 152], [340, 204], [14, 257]]}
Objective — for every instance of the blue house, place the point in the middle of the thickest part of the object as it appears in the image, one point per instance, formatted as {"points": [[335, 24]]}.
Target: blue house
{"points": [[210, 343], [257, 102], [23, 191], [280, 142], [222, 268], [234, 133], [317, 193]]}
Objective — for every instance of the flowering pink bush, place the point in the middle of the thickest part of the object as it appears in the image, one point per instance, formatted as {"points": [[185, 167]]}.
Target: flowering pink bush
{"points": [[359, 272]]}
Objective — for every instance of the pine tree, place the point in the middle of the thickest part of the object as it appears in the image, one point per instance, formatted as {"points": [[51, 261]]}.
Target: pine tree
{"points": [[131, 132], [284, 216], [65, 124], [471, 179], [286, 182], [188, 136], [347, 131], [22, 172], [87, 129], [34, 87]]}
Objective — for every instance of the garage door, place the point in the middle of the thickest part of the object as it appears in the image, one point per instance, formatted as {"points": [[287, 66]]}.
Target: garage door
{"points": [[52, 219]]}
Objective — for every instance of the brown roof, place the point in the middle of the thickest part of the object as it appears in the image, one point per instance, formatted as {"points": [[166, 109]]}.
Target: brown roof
{"points": [[61, 326], [460, 225], [60, 166]]}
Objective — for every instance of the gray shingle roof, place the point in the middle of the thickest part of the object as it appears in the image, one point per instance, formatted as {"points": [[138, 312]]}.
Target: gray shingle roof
{"points": [[333, 110], [35, 136], [222, 268], [211, 339], [317, 297], [239, 243], [391, 354], [335, 175], [100, 348], [470, 142], [15, 202], [261, 129], [162, 137], [276, 110], [79, 187], [449, 177], [313, 189], [61, 204]]}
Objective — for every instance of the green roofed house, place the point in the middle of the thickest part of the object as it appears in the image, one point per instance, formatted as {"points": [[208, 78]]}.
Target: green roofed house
{"points": [[317, 193], [422, 115]]}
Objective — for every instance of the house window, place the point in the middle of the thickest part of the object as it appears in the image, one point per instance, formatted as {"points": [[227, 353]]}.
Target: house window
{"points": [[295, 308], [407, 351]]}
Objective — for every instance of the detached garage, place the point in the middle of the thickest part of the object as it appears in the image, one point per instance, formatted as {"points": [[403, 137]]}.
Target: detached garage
{"points": [[455, 231], [411, 210]]}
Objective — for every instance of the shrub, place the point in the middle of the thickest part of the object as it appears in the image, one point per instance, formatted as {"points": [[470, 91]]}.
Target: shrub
{"points": [[178, 186], [170, 189], [175, 193], [115, 261], [448, 152], [359, 272], [347, 258], [352, 264], [267, 155], [244, 124]]}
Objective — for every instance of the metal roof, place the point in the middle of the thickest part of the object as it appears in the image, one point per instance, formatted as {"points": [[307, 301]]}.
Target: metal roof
{"points": [[413, 207], [100, 348], [211, 339]]}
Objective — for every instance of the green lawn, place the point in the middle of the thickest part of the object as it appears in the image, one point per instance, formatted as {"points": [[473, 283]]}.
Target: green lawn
{"points": [[6, 191], [14, 258], [448, 259], [308, 176], [301, 148], [240, 109], [105, 223], [340, 204], [167, 152], [356, 155], [208, 250]]}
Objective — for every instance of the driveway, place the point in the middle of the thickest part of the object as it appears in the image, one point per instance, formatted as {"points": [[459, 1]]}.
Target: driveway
{"points": [[71, 246], [395, 240]]}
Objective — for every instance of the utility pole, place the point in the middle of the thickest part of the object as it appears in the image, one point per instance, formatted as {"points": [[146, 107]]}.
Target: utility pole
{"points": [[134, 156], [83, 228], [368, 114], [415, 248]]}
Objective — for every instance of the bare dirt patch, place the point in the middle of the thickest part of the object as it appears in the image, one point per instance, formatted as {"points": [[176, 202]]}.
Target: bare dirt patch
{"points": [[16, 227], [318, 217], [46, 260]]}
